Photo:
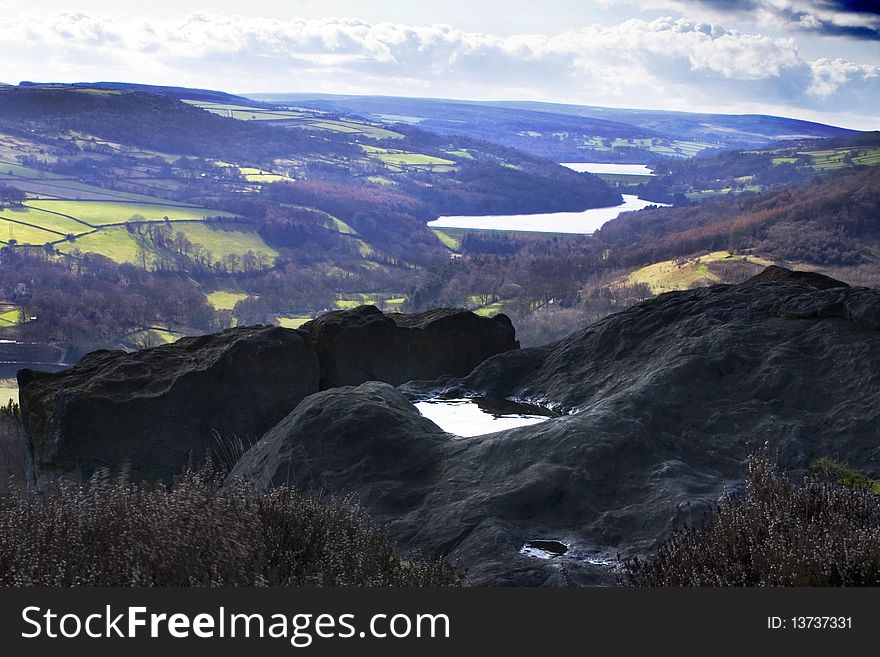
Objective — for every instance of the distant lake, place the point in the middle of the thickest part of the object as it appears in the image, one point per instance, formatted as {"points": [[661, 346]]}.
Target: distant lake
{"points": [[606, 167], [579, 223]]}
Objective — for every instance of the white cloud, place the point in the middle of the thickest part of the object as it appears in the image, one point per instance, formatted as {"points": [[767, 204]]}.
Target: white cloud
{"points": [[830, 17], [681, 64]]}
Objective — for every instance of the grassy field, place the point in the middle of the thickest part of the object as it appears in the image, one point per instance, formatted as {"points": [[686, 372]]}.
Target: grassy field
{"points": [[672, 275], [292, 321], [490, 310], [115, 243], [381, 180], [22, 235], [10, 170], [674, 148], [225, 242], [46, 220], [449, 241], [396, 159], [298, 118], [152, 337], [225, 299], [385, 301], [100, 213], [9, 315], [461, 153], [50, 185], [839, 158]]}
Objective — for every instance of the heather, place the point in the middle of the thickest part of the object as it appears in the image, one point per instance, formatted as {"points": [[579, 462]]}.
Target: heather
{"points": [[779, 533], [197, 532]]}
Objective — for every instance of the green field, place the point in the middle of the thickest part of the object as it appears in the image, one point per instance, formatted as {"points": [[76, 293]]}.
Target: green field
{"points": [[672, 275], [45, 220], [152, 337], [225, 299], [385, 301], [12, 170], [101, 213], [26, 235], [673, 148], [9, 316], [395, 159], [490, 310], [118, 244], [222, 243], [115, 243], [341, 226], [381, 180], [292, 321], [452, 242]]}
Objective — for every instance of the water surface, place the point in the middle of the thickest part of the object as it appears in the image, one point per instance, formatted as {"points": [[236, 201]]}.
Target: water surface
{"points": [[478, 416], [607, 167], [577, 223]]}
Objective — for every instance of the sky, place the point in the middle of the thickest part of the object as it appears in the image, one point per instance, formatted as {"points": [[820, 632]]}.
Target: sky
{"points": [[811, 59]]}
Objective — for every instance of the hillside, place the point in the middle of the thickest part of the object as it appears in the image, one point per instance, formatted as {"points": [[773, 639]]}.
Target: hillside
{"points": [[275, 213], [569, 133], [831, 222]]}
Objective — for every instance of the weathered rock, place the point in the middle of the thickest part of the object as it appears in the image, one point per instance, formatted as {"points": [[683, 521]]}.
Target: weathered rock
{"points": [[775, 274], [364, 344], [157, 408], [665, 402]]}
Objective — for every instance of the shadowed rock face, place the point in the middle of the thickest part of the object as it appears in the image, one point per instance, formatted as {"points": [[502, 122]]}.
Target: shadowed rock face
{"points": [[364, 344], [664, 403], [157, 408]]}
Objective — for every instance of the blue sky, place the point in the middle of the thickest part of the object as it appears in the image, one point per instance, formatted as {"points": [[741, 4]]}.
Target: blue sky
{"points": [[813, 59]]}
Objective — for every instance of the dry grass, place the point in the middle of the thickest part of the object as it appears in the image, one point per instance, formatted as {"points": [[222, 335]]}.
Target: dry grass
{"points": [[817, 533], [12, 453], [197, 533]]}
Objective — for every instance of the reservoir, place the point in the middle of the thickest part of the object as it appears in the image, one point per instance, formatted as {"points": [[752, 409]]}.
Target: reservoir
{"points": [[608, 168], [577, 223]]}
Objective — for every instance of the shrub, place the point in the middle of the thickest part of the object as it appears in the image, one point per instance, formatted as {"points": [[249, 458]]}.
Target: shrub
{"points": [[844, 475], [109, 532], [10, 411], [12, 453], [816, 533]]}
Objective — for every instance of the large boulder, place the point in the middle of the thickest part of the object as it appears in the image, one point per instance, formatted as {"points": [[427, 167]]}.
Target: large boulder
{"points": [[156, 409], [662, 405], [364, 344]]}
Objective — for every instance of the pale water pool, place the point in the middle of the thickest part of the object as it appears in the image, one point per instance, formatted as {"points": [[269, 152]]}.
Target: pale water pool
{"points": [[467, 417]]}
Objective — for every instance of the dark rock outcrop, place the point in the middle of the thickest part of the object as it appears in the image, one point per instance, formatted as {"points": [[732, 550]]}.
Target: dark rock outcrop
{"points": [[157, 408], [664, 403], [774, 274], [364, 344]]}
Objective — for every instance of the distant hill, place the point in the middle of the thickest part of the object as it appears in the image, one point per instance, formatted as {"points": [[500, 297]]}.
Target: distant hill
{"points": [[743, 130], [571, 132], [173, 92]]}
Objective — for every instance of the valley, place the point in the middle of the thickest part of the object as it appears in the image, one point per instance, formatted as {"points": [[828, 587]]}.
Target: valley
{"points": [[331, 203]]}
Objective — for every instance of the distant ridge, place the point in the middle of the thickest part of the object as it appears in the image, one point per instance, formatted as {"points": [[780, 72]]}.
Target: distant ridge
{"points": [[207, 95], [451, 116]]}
